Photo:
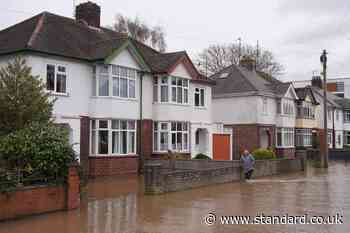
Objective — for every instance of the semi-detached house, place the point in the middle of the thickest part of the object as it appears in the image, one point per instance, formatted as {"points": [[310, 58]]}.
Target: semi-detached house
{"points": [[258, 109], [120, 98]]}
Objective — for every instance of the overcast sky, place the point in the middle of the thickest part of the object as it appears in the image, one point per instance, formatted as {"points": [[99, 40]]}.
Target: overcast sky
{"points": [[296, 31]]}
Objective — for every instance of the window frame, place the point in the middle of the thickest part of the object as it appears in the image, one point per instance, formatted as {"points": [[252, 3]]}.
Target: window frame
{"points": [[94, 132], [285, 133], [305, 135], [57, 72], [157, 130], [159, 86], [131, 76], [200, 91]]}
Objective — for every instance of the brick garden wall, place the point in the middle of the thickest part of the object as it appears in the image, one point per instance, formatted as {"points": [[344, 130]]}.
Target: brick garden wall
{"points": [[112, 165], [168, 176], [33, 200], [288, 153]]}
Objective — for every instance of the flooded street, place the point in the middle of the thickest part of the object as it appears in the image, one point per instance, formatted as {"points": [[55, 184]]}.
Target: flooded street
{"points": [[118, 205]]}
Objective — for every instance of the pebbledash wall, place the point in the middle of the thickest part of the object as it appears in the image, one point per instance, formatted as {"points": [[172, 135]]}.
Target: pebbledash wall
{"points": [[33, 200], [162, 176], [79, 106]]}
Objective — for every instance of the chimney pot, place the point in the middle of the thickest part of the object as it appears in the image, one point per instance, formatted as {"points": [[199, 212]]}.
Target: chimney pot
{"points": [[88, 12], [316, 81]]}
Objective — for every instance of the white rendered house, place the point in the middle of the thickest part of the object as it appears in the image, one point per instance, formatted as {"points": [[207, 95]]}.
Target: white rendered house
{"points": [[120, 98]]}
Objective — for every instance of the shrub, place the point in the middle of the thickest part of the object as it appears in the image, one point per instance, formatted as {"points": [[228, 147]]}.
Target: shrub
{"points": [[40, 149], [202, 156], [23, 98], [262, 154]]}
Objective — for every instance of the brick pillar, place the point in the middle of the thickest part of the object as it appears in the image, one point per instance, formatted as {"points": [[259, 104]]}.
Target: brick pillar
{"points": [[73, 188], [145, 135], [84, 144]]}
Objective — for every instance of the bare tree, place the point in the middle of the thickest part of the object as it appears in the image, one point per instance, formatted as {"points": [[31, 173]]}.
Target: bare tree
{"points": [[140, 31], [216, 57]]}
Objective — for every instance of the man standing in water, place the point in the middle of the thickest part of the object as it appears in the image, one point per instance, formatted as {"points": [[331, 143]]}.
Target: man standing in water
{"points": [[248, 164]]}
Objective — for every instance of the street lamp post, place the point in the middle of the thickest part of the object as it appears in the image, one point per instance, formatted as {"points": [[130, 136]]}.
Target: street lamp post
{"points": [[324, 160]]}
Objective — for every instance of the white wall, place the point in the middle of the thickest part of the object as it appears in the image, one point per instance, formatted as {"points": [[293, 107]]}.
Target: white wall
{"points": [[269, 117], [235, 110]]}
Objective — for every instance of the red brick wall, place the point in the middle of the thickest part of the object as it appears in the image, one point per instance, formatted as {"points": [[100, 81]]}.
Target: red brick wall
{"points": [[41, 199], [85, 143], [146, 134], [112, 165], [288, 153], [248, 137]]}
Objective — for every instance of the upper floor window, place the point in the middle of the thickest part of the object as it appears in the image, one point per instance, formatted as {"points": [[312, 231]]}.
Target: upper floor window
{"points": [[56, 78], [117, 81], [306, 110], [199, 96], [347, 116], [265, 105], [170, 89], [288, 107]]}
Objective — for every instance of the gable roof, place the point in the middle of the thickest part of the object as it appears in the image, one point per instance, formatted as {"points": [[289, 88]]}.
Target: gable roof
{"points": [[57, 35], [303, 92], [331, 99], [236, 79]]}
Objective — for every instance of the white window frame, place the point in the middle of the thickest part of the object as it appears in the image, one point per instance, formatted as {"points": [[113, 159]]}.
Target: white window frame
{"points": [[287, 139], [157, 130], [305, 135], [131, 76], [201, 95], [56, 73], [347, 116], [158, 84], [288, 107], [110, 131], [264, 105]]}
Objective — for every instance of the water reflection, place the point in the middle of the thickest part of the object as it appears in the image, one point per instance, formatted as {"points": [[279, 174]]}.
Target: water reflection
{"points": [[118, 205]]}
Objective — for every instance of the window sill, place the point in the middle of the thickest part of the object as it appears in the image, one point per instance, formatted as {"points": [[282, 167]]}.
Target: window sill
{"points": [[201, 107], [166, 152], [115, 98], [171, 103], [114, 156], [52, 93]]}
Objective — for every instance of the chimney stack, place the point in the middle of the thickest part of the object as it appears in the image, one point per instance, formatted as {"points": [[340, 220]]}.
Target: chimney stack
{"points": [[247, 63], [89, 13], [316, 81]]}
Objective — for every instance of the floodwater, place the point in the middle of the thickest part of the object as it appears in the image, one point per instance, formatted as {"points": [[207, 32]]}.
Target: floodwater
{"points": [[118, 205]]}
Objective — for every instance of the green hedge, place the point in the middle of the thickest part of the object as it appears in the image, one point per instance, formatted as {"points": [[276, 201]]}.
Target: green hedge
{"points": [[263, 154], [202, 156], [43, 150]]}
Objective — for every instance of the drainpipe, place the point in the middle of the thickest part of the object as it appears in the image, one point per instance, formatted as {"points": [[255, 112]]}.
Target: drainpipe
{"points": [[333, 136], [141, 159]]}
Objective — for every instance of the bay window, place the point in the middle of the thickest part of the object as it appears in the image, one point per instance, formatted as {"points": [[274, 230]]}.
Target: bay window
{"points": [[170, 136], [116, 81], [303, 137], [285, 137], [113, 137], [56, 78], [170, 89], [306, 111]]}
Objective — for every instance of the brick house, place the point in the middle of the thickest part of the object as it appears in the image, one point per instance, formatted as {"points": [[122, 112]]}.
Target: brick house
{"points": [[259, 109], [120, 98]]}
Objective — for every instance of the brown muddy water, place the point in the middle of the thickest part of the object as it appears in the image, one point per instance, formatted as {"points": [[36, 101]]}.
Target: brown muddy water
{"points": [[118, 205]]}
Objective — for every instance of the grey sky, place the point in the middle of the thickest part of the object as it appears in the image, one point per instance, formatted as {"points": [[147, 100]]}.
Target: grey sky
{"points": [[295, 31]]}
